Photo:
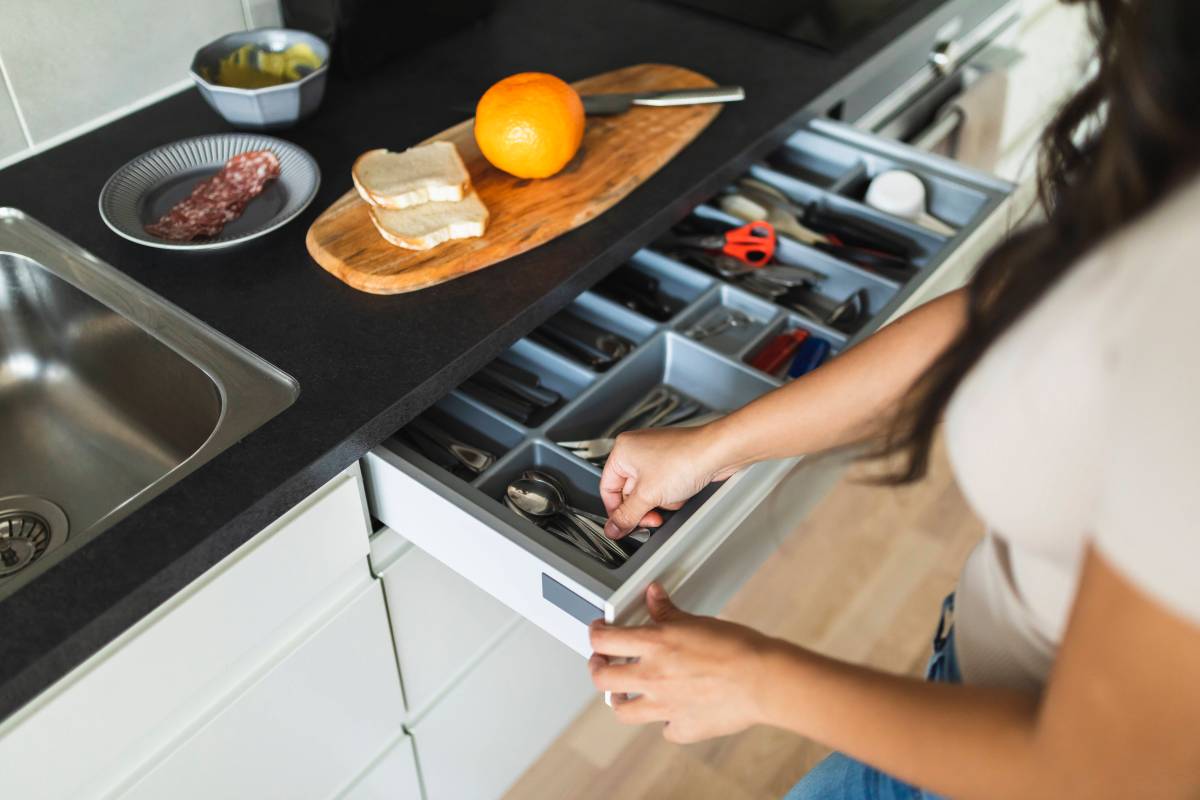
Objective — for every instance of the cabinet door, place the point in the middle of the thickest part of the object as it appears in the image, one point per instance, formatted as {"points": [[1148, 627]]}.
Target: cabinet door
{"points": [[393, 777], [114, 712], [479, 738], [303, 729], [441, 622], [703, 552]]}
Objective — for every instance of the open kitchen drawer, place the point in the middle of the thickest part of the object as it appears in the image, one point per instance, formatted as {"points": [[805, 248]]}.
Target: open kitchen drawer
{"points": [[703, 552]]}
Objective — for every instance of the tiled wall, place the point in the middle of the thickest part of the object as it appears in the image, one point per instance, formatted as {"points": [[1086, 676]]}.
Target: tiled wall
{"points": [[67, 66]]}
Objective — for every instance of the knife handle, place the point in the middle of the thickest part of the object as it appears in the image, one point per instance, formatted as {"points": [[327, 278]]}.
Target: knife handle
{"points": [[691, 97]]}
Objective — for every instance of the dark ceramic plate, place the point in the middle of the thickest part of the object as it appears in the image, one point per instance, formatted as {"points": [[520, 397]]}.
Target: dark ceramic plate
{"points": [[147, 187]]}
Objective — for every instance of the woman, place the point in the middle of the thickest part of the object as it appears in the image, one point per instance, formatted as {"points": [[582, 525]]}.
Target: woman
{"points": [[1069, 382]]}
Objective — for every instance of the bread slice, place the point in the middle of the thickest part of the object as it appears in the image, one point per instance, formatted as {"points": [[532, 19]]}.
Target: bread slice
{"points": [[428, 225], [428, 173]]}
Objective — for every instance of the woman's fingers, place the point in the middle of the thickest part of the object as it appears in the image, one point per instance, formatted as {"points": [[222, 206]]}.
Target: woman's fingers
{"points": [[612, 486], [610, 640], [638, 711], [627, 516], [658, 602], [625, 678]]}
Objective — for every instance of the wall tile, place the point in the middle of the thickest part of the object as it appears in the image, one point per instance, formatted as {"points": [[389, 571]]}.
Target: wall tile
{"points": [[12, 140], [70, 61], [264, 13]]}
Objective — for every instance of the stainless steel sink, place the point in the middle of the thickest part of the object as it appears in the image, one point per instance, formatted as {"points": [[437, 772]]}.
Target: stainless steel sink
{"points": [[108, 395]]}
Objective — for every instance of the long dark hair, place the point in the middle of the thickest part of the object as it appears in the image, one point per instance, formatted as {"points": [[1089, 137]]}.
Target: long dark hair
{"points": [[1116, 148]]}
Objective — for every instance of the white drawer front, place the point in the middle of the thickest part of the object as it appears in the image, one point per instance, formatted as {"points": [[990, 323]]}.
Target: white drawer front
{"points": [[393, 777], [479, 738], [118, 708], [441, 622], [303, 729]]}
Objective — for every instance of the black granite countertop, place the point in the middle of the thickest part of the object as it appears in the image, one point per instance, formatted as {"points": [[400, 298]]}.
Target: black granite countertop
{"points": [[366, 364]]}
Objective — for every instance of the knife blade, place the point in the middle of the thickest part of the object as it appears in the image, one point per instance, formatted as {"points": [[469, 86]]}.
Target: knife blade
{"points": [[604, 104]]}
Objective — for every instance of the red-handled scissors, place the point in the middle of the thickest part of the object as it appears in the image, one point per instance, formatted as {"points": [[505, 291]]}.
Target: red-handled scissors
{"points": [[753, 243]]}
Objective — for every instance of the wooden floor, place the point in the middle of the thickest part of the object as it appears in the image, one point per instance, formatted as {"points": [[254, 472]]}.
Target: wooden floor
{"points": [[862, 579]]}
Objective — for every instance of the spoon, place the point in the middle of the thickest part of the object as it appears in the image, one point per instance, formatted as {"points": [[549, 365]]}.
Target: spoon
{"points": [[638, 534], [542, 500], [555, 494], [568, 533]]}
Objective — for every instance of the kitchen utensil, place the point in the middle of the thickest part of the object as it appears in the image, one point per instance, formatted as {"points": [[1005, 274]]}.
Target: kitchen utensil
{"points": [[604, 104], [617, 156], [514, 407], [600, 449], [824, 228], [519, 383], [270, 107], [847, 315], [718, 321], [752, 243], [859, 232], [581, 340], [777, 352], [768, 289], [758, 200], [658, 398], [755, 198], [473, 458], [638, 292], [540, 494], [151, 184], [902, 194], [555, 525], [810, 355], [434, 452]]}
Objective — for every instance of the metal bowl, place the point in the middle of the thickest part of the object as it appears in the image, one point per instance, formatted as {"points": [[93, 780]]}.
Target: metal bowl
{"points": [[271, 107]]}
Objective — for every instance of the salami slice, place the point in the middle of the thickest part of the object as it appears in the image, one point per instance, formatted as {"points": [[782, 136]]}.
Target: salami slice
{"points": [[219, 200]]}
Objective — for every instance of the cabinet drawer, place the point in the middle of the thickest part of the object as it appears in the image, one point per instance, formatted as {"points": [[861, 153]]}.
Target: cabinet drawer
{"points": [[115, 711], [301, 730], [477, 740], [441, 622], [703, 552]]}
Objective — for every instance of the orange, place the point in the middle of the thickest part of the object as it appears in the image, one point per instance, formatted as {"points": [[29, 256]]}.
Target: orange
{"points": [[530, 125]]}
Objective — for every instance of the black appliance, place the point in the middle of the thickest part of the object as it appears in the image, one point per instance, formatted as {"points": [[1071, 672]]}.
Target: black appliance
{"points": [[828, 24]]}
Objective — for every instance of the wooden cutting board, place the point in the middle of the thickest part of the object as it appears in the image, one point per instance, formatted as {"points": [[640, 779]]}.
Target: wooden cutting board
{"points": [[619, 152]]}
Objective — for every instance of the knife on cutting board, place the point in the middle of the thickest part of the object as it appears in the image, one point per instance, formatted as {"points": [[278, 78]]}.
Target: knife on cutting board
{"points": [[603, 104]]}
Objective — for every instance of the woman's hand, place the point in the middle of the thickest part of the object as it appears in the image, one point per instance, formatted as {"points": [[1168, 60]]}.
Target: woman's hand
{"points": [[659, 468], [702, 676]]}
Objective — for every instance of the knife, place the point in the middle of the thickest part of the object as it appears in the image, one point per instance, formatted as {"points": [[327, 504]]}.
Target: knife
{"points": [[603, 104]]}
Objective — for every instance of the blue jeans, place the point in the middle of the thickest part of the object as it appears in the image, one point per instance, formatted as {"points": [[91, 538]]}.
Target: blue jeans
{"points": [[840, 777]]}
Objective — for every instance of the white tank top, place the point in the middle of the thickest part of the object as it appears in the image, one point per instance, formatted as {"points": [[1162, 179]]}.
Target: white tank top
{"points": [[1081, 425]]}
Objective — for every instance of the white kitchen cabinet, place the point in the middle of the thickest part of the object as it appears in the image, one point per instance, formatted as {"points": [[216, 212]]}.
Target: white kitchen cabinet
{"points": [[303, 728], [121, 711], [441, 622], [393, 776], [479, 738]]}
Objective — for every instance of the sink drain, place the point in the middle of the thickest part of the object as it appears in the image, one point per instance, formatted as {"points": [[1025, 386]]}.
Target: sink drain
{"points": [[30, 527]]}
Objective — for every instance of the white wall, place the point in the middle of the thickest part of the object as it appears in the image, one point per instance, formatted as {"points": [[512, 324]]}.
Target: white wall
{"points": [[67, 66]]}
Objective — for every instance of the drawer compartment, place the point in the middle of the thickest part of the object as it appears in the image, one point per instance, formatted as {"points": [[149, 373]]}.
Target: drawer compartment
{"points": [[703, 551]]}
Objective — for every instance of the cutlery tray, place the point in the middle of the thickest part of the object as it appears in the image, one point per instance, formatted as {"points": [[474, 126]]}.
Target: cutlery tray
{"points": [[835, 163]]}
